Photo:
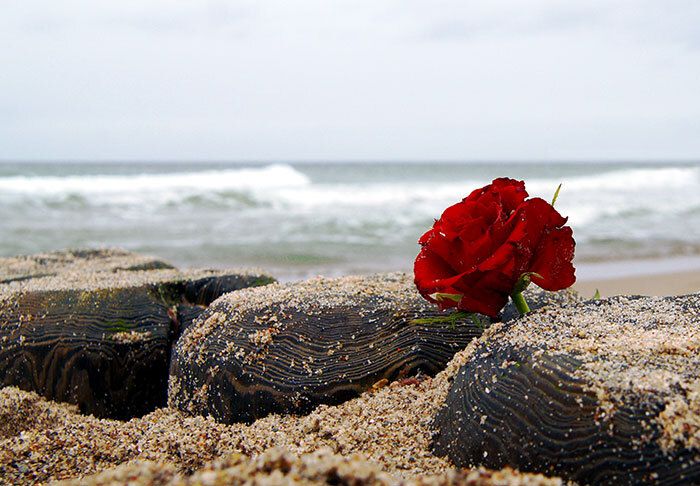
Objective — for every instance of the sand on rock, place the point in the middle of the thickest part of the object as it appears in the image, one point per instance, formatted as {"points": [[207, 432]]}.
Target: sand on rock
{"points": [[386, 431], [95, 327], [288, 348], [602, 391]]}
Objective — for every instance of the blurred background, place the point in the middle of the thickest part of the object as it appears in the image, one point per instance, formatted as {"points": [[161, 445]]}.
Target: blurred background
{"points": [[316, 137]]}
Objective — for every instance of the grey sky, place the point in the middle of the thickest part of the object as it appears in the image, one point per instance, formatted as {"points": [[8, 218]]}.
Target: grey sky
{"points": [[320, 79]]}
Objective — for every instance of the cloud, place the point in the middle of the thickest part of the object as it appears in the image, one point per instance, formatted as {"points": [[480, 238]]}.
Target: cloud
{"points": [[274, 79], [507, 20], [639, 20], [147, 16]]}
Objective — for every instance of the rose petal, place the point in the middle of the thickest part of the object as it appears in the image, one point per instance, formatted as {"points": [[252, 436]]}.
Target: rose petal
{"points": [[482, 293], [512, 193], [554, 260]]}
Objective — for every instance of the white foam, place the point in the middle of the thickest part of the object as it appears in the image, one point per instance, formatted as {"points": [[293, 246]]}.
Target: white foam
{"points": [[395, 194], [125, 188], [286, 192], [279, 208], [621, 180]]}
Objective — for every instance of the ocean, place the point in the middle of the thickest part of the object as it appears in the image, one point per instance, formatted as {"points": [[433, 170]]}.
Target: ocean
{"points": [[302, 219]]}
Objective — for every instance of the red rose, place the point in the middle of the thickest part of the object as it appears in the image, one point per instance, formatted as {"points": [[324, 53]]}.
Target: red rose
{"points": [[480, 247]]}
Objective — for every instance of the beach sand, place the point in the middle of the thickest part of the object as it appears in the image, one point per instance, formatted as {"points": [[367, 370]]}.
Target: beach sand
{"points": [[658, 277], [380, 438], [42, 441], [676, 283], [387, 431]]}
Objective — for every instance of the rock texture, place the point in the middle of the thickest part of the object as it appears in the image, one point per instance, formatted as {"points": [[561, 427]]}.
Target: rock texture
{"points": [[600, 392], [289, 348], [95, 328], [389, 426]]}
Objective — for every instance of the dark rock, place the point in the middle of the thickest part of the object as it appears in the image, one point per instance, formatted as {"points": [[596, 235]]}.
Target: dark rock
{"points": [[603, 392], [287, 349], [95, 328]]}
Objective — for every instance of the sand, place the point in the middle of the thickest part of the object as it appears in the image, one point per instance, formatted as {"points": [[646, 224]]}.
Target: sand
{"points": [[382, 437], [97, 270], [673, 283], [390, 428], [655, 277], [42, 441], [384, 434], [276, 466], [631, 350]]}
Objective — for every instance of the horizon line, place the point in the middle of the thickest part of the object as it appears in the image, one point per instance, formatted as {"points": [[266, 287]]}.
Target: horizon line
{"points": [[601, 160]]}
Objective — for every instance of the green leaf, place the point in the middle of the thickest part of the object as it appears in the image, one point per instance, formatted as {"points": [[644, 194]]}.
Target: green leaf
{"points": [[556, 194], [451, 319], [476, 320], [596, 296], [439, 296]]}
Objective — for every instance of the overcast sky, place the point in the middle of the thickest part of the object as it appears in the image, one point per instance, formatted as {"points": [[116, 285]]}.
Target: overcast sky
{"points": [[340, 79]]}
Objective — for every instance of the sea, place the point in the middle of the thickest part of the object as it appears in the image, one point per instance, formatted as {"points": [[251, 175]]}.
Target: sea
{"points": [[301, 219]]}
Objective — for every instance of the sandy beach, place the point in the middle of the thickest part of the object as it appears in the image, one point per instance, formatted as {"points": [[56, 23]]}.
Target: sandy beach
{"points": [[676, 283], [661, 277], [384, 435]]}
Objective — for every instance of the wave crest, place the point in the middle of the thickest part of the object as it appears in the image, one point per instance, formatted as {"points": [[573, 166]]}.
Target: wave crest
{"points": [[166, 187]]}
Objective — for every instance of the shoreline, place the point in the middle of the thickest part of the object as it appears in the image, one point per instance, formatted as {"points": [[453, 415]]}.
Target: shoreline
{"points": [[662, 284], [654, 277]]}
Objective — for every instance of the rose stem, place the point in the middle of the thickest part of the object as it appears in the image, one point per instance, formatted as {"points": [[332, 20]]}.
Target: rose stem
{"points": [[520, 303]]}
